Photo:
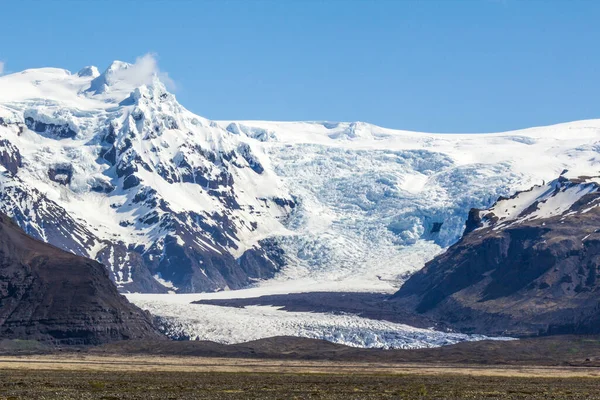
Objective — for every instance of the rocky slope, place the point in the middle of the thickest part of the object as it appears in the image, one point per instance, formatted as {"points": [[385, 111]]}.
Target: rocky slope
{"points": [[48, 294], [528, 265]]}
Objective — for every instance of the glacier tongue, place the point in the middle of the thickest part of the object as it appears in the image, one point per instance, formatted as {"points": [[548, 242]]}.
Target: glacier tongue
{"points": [[230, 325]]}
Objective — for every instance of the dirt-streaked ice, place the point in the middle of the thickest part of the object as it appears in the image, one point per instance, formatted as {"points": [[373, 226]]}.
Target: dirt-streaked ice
{"points": [[236, 325]]}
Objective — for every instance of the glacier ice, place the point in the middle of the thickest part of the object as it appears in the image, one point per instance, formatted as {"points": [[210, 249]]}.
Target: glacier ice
{"points": [[227, 325]]}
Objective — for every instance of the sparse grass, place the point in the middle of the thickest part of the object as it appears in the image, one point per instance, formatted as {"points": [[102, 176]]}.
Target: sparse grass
{"points": [[18, 345], [543, 368], [60, 384], [95, 385]]}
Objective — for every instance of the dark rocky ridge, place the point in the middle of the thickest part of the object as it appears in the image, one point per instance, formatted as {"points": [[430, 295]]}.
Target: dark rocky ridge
{"points": [[566, 350], [48, 294], [366, 305], [528, 276], [10, 157], [59, 131]]}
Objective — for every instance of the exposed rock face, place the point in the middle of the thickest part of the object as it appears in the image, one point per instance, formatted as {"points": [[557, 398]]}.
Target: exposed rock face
{"points": [[528, 265], [10, 157], [61, 173], [59, 131], [51, 295]]}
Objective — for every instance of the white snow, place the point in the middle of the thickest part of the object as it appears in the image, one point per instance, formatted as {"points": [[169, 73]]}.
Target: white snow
{"points": [[510, 209], [540, 202], [165, 283]]}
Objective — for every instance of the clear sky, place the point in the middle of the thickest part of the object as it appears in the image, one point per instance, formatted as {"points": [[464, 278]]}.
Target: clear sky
{"points": [[440, 66]]}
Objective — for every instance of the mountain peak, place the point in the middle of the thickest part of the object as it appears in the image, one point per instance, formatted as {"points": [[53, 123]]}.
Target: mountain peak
{"points": [[113, 75], [123, 78], [117, 65], [154, 90], [89, 70]]}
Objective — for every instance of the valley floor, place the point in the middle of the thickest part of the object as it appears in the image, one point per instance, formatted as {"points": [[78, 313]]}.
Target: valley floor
{"points": [[87, 376], [556, 367]]}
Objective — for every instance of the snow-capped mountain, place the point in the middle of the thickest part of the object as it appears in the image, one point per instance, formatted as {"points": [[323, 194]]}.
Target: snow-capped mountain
{"points": [[109, 165], [113, 168]]}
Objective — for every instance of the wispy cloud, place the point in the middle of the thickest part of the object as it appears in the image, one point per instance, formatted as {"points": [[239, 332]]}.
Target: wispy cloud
{"points": [[1, 67], [143, 71]]}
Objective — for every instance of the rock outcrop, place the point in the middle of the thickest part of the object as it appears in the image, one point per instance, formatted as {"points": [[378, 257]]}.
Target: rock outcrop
{"points": [[48, 294]]}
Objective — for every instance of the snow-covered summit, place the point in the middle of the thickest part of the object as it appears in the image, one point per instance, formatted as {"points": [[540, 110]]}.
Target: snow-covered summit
{"points": [[120, 78], [111, 166], [88, 88], [90, 70]]}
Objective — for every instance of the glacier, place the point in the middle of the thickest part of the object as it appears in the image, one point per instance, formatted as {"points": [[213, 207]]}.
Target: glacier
{"points": [[375, 204], [229, 325], [110, 166]]}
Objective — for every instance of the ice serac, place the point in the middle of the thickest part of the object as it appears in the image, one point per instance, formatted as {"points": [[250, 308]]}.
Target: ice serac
{"points": [[526, 266], [48, 294], [110, 166]]}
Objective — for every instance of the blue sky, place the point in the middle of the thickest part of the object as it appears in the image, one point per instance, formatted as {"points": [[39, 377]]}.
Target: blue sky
{"points": [[440, 66]]}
